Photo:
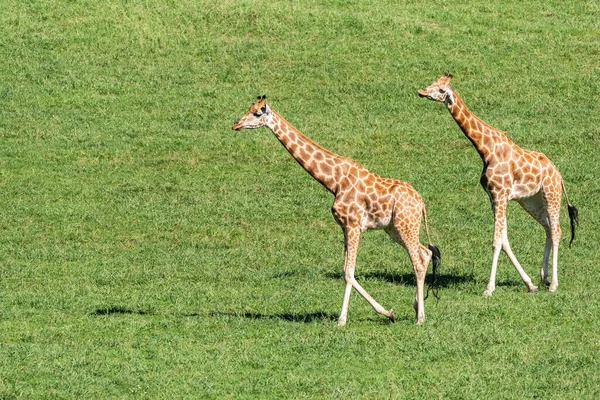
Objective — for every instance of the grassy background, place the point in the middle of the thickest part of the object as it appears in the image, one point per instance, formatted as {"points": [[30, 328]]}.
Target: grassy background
{"points": [[146, 250]]}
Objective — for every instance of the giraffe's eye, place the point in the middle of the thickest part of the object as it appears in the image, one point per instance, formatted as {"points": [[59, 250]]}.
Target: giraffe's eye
{"points": [[257, 114], [441, 90]]}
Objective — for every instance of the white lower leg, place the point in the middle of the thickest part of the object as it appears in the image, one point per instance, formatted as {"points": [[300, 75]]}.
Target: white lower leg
{"points": [[544, 271], [378, 307], [345, 303], [420, 262], [492, 284], [526, 279], [554, 284], [420, 302], [351, 239]]}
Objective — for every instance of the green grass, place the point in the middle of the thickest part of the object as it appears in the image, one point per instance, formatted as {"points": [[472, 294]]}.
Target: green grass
{"points": [[148, 251]]}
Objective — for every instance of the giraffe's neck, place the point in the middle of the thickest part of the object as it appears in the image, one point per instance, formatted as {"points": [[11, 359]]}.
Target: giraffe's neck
{"points": [[317, 161], [483, 136]]}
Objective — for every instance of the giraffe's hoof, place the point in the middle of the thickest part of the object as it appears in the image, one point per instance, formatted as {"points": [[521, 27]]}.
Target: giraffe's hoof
{"points": [[341, 322], [487, 293], [392, 316], [532, 289], [420, 321], [553, 288]]}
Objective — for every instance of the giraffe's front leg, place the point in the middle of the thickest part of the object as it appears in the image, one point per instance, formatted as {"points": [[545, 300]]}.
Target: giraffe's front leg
{"points": [[531, 288], [491, 286], [501, 243], [351, 239], [499, 207], [352, 236]]}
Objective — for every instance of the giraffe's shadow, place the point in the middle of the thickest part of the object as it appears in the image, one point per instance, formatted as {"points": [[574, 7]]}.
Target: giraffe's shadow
{"points": [[290, 317], [117, 310], [319, 316], [514, 283], [408, 279]]}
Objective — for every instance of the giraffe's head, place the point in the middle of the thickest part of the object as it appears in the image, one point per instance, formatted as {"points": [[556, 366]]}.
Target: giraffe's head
{"points": [[439, 90], [258, 115]]}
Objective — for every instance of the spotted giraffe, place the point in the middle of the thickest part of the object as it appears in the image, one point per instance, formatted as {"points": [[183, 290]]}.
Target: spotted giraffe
{"points": [[511, 173], [363, 201]]}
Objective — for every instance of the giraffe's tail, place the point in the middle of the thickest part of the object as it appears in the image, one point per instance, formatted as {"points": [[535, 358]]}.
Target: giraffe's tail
{"points": [[573, 214], [436, 257]]}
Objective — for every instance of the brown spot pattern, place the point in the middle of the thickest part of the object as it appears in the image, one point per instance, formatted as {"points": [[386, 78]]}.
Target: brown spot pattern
{"points": [[363, 201], [511, 172]]}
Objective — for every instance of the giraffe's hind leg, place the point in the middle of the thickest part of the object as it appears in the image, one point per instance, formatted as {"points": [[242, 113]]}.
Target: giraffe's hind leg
{"points": [[553, 200], [406, 232], [536, 206]]}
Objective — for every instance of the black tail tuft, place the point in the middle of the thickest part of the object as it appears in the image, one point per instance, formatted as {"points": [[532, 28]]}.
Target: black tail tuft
{"points": [[574, 217], [437, 259]]}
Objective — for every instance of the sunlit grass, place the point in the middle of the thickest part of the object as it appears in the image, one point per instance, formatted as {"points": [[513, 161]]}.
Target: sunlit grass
{"points": [[146, 250]]}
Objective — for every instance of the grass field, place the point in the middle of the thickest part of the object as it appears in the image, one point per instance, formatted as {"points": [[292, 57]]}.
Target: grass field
{"points": [[148, 251]]}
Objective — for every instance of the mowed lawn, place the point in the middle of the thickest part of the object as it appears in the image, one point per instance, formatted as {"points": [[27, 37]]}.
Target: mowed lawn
{"points": [[149, 251]]}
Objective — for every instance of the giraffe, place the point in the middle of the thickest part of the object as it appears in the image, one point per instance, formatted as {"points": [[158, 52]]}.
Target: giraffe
{"points": [[511, 173], [363, 201]]}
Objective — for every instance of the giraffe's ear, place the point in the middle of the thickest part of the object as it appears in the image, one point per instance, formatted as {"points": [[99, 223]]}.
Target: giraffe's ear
{"points": [[450, 76]]}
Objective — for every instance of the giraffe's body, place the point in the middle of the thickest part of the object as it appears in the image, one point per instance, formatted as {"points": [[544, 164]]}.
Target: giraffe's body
{"points": [[510, 173], [363, 201]]}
